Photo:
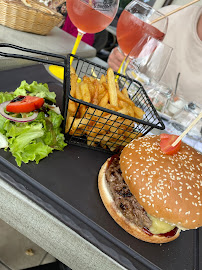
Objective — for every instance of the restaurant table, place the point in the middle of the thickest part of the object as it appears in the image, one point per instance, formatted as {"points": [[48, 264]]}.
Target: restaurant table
{"points": [[56, 204], [57, 42]]}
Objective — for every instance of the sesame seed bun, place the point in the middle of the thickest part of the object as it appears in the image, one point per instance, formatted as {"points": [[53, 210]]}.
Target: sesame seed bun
{"points": [[169, 187], [128, 226]]}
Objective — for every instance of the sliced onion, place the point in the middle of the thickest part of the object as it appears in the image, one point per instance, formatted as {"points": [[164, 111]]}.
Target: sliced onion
{"points": [[16, 119], [3, 141], [54, 108]]}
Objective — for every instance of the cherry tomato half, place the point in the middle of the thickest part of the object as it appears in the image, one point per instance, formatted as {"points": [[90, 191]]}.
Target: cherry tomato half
{"points": [[166, 144], [25, 104]]}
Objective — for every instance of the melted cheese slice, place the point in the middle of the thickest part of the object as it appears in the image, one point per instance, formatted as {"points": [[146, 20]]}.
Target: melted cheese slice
{"points": [[159, 226]]}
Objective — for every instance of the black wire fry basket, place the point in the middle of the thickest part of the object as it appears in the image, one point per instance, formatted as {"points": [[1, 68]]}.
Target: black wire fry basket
{"points": [[102, 110], [93, 121]]}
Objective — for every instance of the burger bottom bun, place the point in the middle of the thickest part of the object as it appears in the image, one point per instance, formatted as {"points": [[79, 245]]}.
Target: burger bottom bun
{"points": [[116, 214]]}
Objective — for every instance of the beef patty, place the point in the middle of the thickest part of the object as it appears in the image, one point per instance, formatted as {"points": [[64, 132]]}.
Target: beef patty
{"points": [[124, 200]]}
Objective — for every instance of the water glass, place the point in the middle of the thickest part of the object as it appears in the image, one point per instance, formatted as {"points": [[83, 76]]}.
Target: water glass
{"points": [[184, 118], [159, 95], [175, 105], [147, 60]]}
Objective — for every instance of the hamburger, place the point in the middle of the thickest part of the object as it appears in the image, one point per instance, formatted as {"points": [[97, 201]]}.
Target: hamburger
{"points": [[151, 195]]}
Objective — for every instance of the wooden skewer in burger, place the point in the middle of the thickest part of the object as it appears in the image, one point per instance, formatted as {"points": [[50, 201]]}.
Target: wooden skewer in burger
{"points": [[154, 194]]}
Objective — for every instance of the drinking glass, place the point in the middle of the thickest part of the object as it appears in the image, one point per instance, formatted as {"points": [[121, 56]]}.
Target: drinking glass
{"points": [[147, 60], [90, 16], [175, 105], [136, 20], [181, 120], [159, 95]]}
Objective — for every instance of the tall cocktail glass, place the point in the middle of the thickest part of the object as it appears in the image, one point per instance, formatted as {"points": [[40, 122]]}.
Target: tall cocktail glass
{"points": [[135, 21], [89, 16]]}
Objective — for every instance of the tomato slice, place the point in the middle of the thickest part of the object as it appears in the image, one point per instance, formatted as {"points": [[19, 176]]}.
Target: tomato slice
{"points": [[25, 104], [166, 144]]}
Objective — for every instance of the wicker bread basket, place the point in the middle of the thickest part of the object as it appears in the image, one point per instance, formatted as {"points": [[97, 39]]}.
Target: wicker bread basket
{"points": [[28, 16]]}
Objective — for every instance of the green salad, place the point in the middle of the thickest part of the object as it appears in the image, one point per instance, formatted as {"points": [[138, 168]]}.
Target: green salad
{"points": [[31, 138]]}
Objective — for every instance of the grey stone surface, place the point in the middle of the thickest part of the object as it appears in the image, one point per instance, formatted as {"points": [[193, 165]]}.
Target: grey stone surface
{"points": [[2, 267], [18, 252], [50, 234], [57, 42]]}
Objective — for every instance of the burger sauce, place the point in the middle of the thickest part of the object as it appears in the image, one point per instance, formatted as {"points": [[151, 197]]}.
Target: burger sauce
{"points": [[168, 234]]}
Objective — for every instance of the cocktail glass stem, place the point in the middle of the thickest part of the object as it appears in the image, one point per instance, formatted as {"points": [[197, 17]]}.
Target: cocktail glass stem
{"points": [[76, 44], [59, 71], [119, 70]]}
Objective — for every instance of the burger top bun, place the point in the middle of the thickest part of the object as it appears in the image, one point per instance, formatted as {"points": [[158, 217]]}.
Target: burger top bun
{"points": [[169, 187]]}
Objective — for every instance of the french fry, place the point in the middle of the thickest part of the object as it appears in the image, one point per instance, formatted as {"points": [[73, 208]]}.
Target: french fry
{"points": [[125, 92], [103, 79], [73, 126], [104, 138], [74, 78], [121, 96], [101, 96], [116, 128], [72, 107], [72, 70], [131, 111], [96, 130], [138, 112], [79, 132], [123, 110], [111, 107], [90, 142], [86, 79], [106, 87], [85, 92], [103, 102], [112, 87], [95, 97], [103, 145], [80, 123], [91, 88], [68, 122], [128, 124], [92, 79], [101, 88], [128, 133], [123, 104], [91, 112], [78, 92], [101, 128], [82, 111]]}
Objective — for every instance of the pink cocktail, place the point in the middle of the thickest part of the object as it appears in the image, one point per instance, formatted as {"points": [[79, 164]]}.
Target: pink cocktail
{"points": [[86, 18], [135, 22], [131, 29], [90, 16]]}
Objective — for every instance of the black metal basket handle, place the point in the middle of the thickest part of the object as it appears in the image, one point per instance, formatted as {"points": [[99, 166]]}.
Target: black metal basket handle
{"points": [[26, 57]]}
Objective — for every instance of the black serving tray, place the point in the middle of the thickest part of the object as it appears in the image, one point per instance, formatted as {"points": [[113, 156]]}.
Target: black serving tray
{"points": [[65, 185]]}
